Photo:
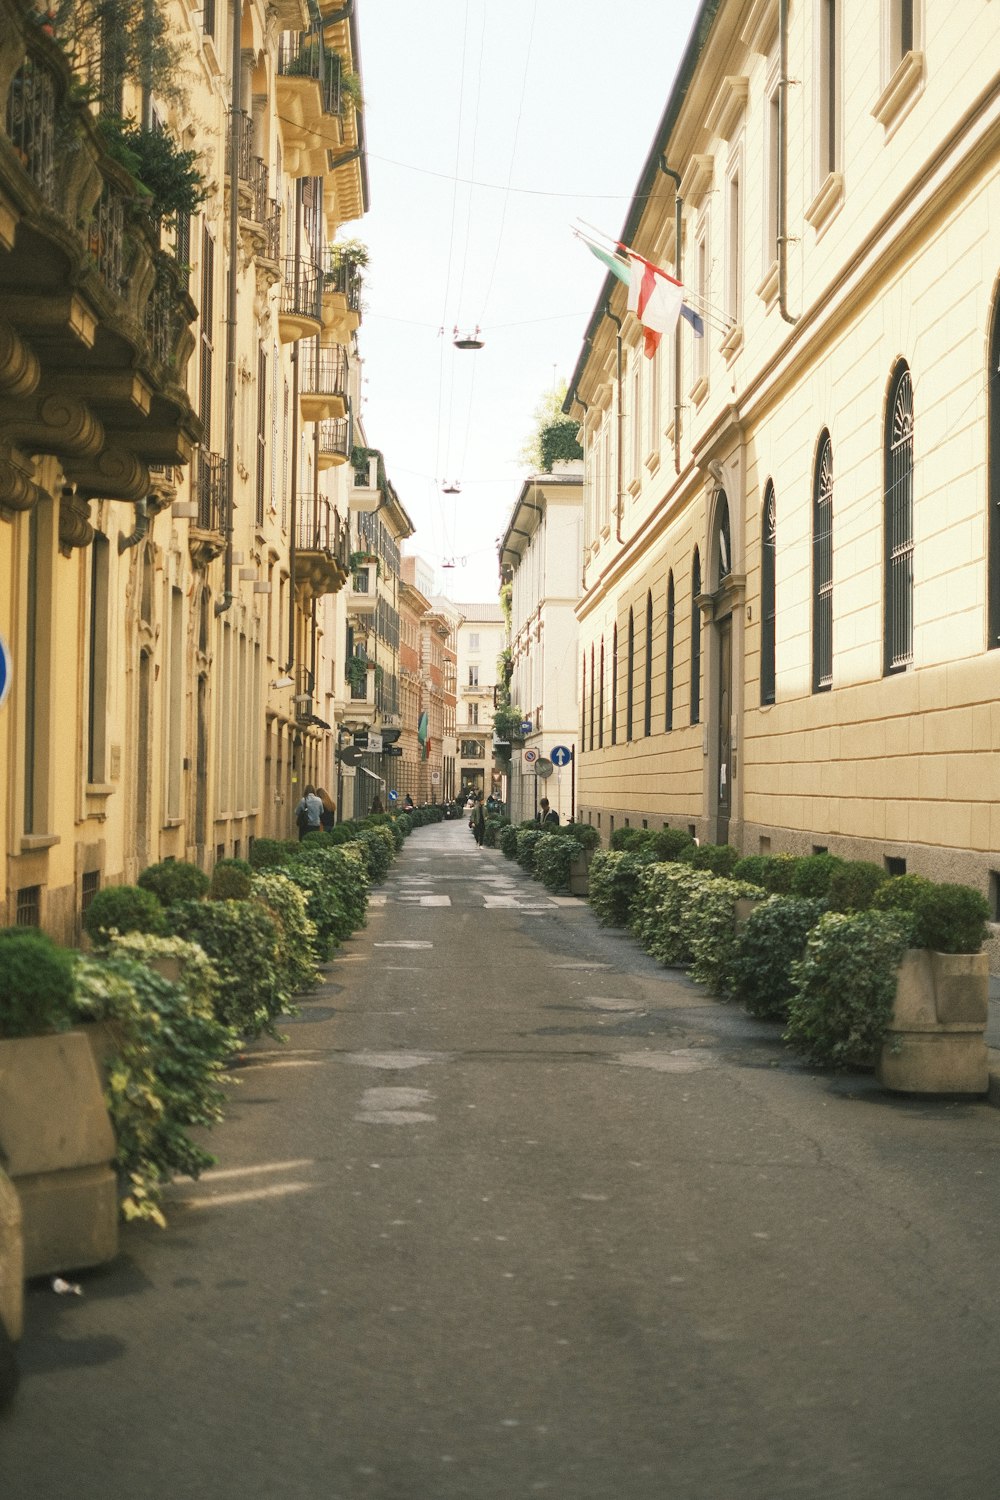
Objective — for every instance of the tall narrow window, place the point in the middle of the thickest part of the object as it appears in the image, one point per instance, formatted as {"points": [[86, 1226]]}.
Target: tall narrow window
{"points": [[635, 425], [898, 526], [669, 717], [591, 736], [614, 687], [768, 546], [175, 701], [206, 317], [97, 685], [828, 76], [630, 676], [648, 686], [734, 249], [772, 183], [993, 482], [583, 699], [261, 431], [822, 642], [600, 705], [695, 639], [701, 287]]}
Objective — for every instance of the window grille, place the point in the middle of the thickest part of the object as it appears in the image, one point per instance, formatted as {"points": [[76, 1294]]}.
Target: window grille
{"points": [[669, 714], [614, 687], [823, 567], [600, 705], [695, 640], [29, 906], [630, 677], [899, 526], [647, 728]]}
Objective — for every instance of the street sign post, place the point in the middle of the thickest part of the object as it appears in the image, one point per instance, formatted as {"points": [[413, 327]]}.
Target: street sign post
{"points": [[560, 756]]}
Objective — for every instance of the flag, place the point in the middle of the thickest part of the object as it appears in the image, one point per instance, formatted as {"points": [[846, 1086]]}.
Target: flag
{"points": [[696, 321], [614, 263], [655, 298]]}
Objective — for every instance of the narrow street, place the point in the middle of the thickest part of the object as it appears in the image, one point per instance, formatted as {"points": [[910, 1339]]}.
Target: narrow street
{"points": [[516, 1212]]}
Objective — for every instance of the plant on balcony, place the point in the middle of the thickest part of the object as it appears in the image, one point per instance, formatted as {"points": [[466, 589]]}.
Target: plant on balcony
{"points": [[356, 671], [110, 42], [350, 92], [168, 178], [360, 560], [507, 721], [557, 442]]}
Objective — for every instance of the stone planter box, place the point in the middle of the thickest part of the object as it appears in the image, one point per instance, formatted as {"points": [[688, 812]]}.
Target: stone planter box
{"points": [[58, 1147], [579, 873], [936, 1042]]}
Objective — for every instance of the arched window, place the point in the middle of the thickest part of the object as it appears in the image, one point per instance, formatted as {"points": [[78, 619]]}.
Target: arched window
{"points": [[648, 691], [695, 639], [669, 717], [768, 548], [591, 737], [993, 482], [630, 677], [822, 642], [614, 687], [898, 527], [600, 704]]}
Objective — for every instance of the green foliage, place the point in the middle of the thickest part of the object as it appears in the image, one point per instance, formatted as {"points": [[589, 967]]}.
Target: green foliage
{"points": [[812, 875], [494, 826], [772, 872], [844, 986], [120, 40], [289, 906], [174, 880], [165, 1061], [658, 917], [854, 884], [242, 940], [554, 853], [122, 908], [547, 413], [230, 880], [390, 822], [335, 881], [379, 849], [710, 915], [672, 843], [772, 939], [951, 919], [901, 893], [631, 839], [527, 842], [507, 840], [268, 854], [613, 882], [717, 859], [557, 441], [586, 835], [168, 175], [507, 722], [36, 983]]}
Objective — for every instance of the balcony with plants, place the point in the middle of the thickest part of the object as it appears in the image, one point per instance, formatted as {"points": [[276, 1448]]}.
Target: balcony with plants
{"points": [[343, 280], [96, 312], [308, 88], [300, 308]]}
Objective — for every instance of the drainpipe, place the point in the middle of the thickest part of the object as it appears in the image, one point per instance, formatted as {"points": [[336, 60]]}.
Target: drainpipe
{"points": [[620, 425], [678, 207], [141, 527], [293, 499], [235, 136], [783, 236]]}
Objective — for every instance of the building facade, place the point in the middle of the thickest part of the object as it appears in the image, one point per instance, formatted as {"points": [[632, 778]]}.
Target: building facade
{"points": [[540, 559], [789, 623], [179, 389], [482, 637]]}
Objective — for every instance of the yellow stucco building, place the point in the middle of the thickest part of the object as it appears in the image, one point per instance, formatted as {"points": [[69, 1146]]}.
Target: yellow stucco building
{"points": [[791, 607]]}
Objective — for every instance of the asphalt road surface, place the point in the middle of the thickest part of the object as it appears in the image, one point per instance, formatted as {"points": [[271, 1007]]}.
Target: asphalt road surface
{"points": [[515, 1212]]}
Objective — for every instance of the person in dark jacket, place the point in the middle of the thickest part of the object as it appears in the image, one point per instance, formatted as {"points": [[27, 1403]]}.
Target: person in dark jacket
{"points": [[546, 817]]}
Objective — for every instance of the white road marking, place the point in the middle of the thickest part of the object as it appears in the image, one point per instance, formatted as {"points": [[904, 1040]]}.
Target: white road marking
{"points": [[683, 1060], [393, 1060], [403, 943]]}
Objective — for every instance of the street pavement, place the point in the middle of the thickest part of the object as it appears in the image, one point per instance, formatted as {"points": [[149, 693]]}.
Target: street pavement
{"points": [[515, 1212]]}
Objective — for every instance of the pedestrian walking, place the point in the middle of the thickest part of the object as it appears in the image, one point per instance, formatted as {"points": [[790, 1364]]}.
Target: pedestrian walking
{"points": [[328, 816], [478, 822], [308, 813]]}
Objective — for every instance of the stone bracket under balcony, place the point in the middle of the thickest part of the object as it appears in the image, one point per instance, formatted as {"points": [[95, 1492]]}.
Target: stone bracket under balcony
{"points": [[318, 573]]}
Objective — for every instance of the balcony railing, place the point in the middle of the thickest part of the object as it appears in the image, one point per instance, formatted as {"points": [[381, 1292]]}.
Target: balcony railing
{"points": [[304, 55], [210, 482], [343, 276], [107, 238], [260, 205], [246, 156], [323, 381], [31, 124], [334, 442], [301, 297], [272, 232], [315, 529]]}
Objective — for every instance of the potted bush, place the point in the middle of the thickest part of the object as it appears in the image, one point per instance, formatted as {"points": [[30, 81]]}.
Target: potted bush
{"points": [[56, 1139], [935, 1037]]}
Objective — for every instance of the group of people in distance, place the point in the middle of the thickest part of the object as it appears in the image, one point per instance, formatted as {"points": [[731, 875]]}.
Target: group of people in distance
{"points": [[316, 810]]}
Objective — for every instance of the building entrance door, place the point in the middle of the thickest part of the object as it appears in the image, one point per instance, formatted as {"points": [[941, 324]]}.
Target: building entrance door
{"points": [[724, 708]]}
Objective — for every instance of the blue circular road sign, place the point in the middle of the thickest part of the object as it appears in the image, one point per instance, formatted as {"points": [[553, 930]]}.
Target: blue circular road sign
{"points": [[560, 756], [5, 669]]}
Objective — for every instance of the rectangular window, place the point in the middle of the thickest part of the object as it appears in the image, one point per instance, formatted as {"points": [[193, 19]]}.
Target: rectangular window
{"points": [[474, 641], [473, 713], [29, 906], [473, 676], [701, 280], [175, 698], [772, 185], [828, 77], [261, 433], [97, 675], [734, 249], [635, 425], [206, 324]]}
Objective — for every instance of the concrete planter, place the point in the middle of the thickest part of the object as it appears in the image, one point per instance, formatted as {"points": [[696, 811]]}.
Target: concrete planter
{"points": [[579, 873], [58, 1147], [11, 1260], [936, 1038]]}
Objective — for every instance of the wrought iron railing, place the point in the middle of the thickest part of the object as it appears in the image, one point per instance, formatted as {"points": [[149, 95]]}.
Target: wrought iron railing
{"points": [[304, 55], [260, 206], [31, 124], [300, 288], [246, 156], [272, 233], [314, 528], [323, 371], [107, 238], [210, 482], [162, 314], [343, 276], [335, 437]]}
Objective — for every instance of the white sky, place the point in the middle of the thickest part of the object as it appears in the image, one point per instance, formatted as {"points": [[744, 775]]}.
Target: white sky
{"points": [[561, 97]]}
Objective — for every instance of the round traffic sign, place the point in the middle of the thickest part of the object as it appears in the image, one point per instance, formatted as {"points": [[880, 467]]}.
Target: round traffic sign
{"points": [[350, 755], [543, 767], [561, 755], [530, 756], [5, 669]]}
